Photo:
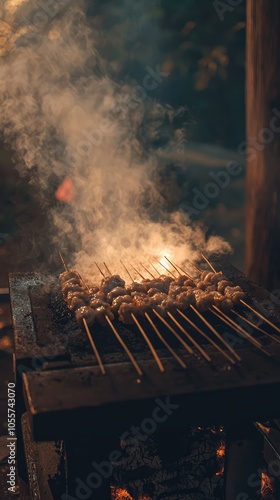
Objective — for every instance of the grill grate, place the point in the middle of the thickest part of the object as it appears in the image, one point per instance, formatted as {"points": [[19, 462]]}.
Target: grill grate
{"points": [[61, 374]]}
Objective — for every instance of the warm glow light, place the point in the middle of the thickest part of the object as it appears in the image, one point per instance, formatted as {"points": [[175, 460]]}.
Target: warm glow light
{"points": [[66, 191], [10, 31], [12, 5], [164, 261], [54, 34]]}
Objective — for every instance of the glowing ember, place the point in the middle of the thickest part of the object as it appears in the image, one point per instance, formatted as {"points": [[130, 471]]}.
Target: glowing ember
{"points": [[267, 487], [120, 494], [221, 451], [220, 455], [66, 191]]}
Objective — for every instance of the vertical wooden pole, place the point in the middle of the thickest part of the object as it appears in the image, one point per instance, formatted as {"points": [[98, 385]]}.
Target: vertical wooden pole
{"points": [[263, 142]]}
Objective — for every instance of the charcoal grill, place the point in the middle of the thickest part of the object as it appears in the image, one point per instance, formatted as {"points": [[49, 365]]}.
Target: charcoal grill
{"points": [[67, 399]]}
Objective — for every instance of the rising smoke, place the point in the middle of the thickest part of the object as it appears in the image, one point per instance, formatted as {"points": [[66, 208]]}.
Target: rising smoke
{"points": [[65, 117]]}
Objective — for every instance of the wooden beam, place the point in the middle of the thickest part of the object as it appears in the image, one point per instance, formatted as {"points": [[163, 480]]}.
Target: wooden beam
{"points": [[263, 142]]}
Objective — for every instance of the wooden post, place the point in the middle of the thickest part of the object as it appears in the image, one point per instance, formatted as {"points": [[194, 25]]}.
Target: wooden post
{"points": [[263, 142]]}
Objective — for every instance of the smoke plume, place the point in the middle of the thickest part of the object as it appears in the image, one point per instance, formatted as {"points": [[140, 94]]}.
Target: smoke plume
{"points": [[65, 117]]}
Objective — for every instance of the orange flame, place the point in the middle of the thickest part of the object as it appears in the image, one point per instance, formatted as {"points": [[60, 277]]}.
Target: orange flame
{"points": [[220, 455], [120, 494], [266, 484], [66, 191], [221, 450]]}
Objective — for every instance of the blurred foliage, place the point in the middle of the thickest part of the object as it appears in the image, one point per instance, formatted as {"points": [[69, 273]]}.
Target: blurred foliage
{"points": [[205, 58], [203, 55]]}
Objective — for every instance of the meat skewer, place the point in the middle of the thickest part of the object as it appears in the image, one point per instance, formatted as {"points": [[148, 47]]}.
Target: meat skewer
{"points": [[92, 343], [247, 305], [181, 290], [162, 295], [233, 294], [102, 313], [100, 306]]}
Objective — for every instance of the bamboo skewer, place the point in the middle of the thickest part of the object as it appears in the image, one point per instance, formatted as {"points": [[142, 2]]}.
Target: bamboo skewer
{"points": [[83, 281], [92, 343], [173, 265], [213, 330], [209, 263], [230, 322], [156, 270], [192, 264], [237, 328], [150, 345], [211, 341], [166, 269], [245, 303], [94, 348], [184, 344], [106, 267], [123, 344], [127, 271], [185, 273], [271, 337], [141, 275], [147, 270], [99, 269], [260, 316], [63, 261], [222, 316], [182, 329], [180, 361]]}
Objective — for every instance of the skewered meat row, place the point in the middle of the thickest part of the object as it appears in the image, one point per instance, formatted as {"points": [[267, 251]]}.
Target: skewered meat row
{"points": [[163, 294], [218, 282], [90, 304]]}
